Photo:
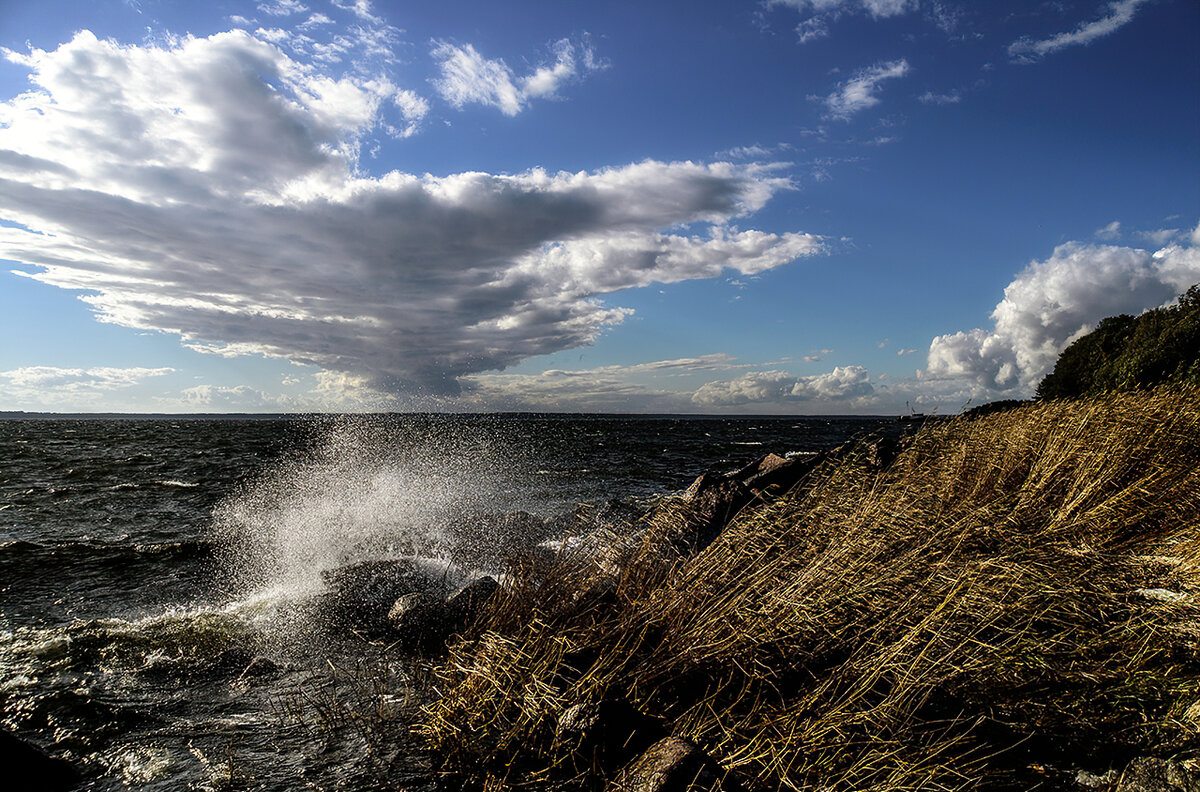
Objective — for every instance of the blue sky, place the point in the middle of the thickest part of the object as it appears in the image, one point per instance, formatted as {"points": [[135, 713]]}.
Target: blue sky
{"points": [[804, 206]]}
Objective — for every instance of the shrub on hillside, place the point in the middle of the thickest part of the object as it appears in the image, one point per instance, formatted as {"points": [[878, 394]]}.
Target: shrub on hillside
{"points": [[1131, 353]]}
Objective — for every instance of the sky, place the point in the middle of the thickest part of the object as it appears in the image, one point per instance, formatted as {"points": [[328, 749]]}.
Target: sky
{"points": [[738, 207]]}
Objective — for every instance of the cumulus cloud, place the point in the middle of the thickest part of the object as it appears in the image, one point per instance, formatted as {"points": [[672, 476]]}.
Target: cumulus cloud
{"points": [[843, 383], [220, 397], [1027, 50], [1055, 301], [469, 78], [210, 187], [859, 92], [641, 387]]}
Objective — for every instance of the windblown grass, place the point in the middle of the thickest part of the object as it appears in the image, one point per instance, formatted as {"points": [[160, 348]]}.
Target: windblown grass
{"points": [[1013, 599]]}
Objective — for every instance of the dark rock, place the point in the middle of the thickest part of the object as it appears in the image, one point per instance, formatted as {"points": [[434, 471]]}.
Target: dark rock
{"points": [[775, 475], [232, 660], [705, 509], [28, 768], [600, 592], [464, 605], [259, 666], [673, 764], [361, 594], [1147, 774], [419, 622], [761, 466], [609, 731]]}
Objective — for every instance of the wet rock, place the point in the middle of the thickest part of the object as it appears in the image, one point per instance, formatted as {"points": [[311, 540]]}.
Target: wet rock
{"points": [[361, 594], [419, 622], [673, 764], [775, 475], [1147, 774], [232, 660], [259, 666], [464, 605], [28, 768]]}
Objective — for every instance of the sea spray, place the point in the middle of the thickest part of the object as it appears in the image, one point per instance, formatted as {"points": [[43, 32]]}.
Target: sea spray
{"points": [[367, 489]]}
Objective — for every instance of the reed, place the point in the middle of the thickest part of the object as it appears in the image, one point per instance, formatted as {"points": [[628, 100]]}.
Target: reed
{"points": [[1015, 598]]}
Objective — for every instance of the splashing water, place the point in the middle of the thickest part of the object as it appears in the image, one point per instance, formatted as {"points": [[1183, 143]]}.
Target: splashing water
{"points": [[370, 488]]}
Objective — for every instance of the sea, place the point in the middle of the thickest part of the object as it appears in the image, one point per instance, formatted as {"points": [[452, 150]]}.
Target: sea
{"points": [[157, 576]]}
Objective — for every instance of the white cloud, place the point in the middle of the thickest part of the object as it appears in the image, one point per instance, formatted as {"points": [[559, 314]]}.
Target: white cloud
{"points": [[282, 7], [858, 93], [1160, 236], [1110, 231], [929, 97], [469, 78], [1027, 50], [631, 388], [843, 383], [1053, 302], [210, 188], [43, 386], [315, 21], [222, 398], [413, 108], [819, 14], [876, 8], [98, 378], [360, 8]]}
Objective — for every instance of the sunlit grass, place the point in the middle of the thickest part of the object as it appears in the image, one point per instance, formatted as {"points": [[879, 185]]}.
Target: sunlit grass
{"points": [[974, 616]]}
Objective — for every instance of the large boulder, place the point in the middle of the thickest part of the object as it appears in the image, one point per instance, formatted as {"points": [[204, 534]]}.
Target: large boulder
{"points": [[464, 605], [673, 764], [28, 768], [419, 622], [361, 594]]}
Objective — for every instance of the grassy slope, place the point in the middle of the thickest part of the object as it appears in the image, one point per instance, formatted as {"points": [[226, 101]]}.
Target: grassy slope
{"points": [[968, 618]]}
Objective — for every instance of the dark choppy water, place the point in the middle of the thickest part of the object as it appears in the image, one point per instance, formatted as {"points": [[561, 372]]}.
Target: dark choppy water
{"points": [[144, 563]]}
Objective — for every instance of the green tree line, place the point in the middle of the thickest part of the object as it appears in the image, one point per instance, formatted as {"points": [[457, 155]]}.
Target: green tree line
{"points": [[1131, 353]]}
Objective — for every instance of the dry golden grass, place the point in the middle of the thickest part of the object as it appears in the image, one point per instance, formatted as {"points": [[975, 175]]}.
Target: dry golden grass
{"points": [[973, 617]]}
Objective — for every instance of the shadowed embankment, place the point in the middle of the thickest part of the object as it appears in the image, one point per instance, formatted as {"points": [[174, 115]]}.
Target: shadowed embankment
{"points": [[1011, 602]]}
